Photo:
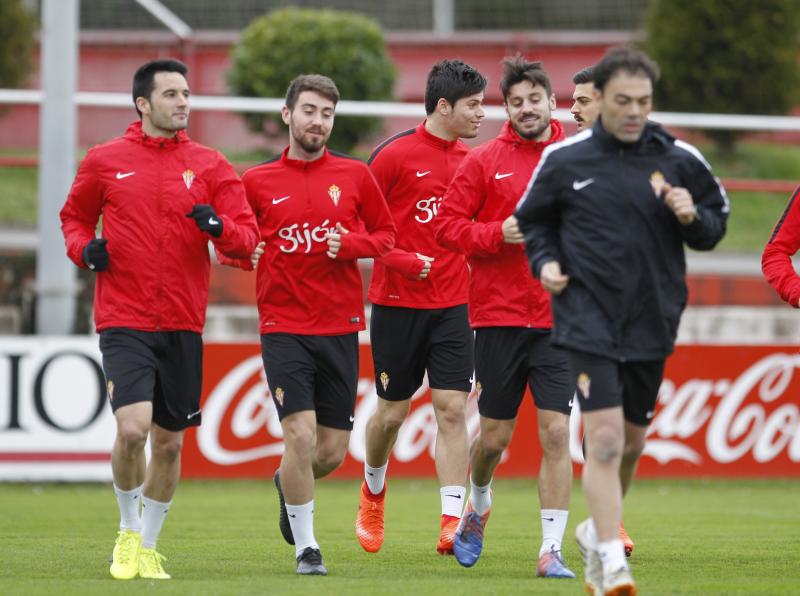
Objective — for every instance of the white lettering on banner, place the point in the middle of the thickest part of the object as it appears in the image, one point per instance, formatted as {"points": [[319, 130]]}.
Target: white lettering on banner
{"points": [[731, 422], [733, 428], [429, 209], [297, 236]]}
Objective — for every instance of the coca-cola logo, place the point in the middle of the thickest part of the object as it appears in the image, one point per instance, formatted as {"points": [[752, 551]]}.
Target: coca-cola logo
{"points": [[698, 420]]}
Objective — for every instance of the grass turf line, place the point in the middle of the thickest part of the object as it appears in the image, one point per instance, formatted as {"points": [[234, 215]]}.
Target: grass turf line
{"points": [[692, 537]]}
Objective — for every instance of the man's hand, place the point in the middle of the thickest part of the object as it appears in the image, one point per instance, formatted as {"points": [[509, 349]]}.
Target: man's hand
{"points": [[257, 252], [95, 254], [552, 279], [511, 233], [206, 219], [426, 268], [680, 203], [335, 240]]}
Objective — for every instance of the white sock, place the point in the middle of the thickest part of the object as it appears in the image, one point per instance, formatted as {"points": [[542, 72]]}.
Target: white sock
{"points": [[301, 519], [480, 496], [453, 500], [375, 477], [554, 523], [128, 501], [153, 515], [612, 554]]}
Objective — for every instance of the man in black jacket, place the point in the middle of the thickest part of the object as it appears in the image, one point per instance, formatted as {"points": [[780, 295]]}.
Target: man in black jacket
{"points": [[605, 218]]}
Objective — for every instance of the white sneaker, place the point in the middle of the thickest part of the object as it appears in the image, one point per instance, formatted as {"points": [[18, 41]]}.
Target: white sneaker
{"points": [[619, 583], [593, 567]]}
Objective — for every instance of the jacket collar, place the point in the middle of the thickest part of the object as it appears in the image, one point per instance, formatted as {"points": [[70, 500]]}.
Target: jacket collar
{"points": [[433, 139], [137, 135], [509, 135], [302, 164], [654, 138]]}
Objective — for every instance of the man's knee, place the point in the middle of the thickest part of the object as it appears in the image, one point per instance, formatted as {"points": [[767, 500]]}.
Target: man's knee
{"points": [[167, 447], [493, 442], [554, 436], [390, 415], [131, 435], [451, 414], [605, 444], [329, 458], [299, 436]]}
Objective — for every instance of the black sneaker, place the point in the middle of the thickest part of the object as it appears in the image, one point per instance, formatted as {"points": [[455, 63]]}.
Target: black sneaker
{"points": [[310, 562], [283, 519]]}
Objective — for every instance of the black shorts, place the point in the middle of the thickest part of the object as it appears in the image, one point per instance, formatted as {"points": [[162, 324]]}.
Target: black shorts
{"points": [[408, 341], [162, 367], [509, 358], [313, 372], [605, 383]]}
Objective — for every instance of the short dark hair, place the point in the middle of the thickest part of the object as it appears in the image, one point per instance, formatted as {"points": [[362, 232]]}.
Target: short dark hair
{"points": [[517, 69], [451, 80], [311, 82], [624, 58], [144, 77], [585, 75]]}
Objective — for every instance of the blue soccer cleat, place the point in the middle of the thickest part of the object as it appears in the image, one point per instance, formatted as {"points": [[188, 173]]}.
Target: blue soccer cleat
{"points": [[551, 564], [468, 542]]}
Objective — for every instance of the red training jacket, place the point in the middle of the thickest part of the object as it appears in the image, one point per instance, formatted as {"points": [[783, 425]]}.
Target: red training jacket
{"points": [[413, 169], [776, 262], [158, 273], [483, 193], [300, 289]]}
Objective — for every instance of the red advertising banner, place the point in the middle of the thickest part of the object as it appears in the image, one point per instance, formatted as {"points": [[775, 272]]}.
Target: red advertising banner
{"points": [[722, 411]]}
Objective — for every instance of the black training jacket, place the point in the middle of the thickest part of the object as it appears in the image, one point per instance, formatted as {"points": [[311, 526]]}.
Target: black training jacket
{"points": [[596, 206]]}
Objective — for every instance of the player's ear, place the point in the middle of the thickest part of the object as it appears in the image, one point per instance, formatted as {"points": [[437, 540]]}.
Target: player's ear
{"points": [[443, 107]]}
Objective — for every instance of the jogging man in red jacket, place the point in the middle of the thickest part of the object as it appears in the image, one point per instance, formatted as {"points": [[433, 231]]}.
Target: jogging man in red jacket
{"points": [[419, 317], [510, 313], [776, 260], [318, 212], [162, 197]]}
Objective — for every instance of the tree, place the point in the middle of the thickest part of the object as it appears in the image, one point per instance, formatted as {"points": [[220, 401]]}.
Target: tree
{"points": [[347, 47], [17, 26], [726, 56]]}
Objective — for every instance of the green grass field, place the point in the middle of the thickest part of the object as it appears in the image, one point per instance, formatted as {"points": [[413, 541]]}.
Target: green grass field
{"points": [[692, 537]]}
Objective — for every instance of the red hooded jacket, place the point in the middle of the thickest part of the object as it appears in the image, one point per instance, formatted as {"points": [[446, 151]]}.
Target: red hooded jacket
{"points": [[483, 193], [776, 262], [143, 186]]}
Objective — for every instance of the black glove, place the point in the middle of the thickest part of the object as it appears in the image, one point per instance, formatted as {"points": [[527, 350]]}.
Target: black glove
{"points": [[206, 219], [95, 254]]}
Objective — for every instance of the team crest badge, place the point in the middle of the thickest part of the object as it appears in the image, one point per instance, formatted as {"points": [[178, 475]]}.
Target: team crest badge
{"points": [[478, 389], [657, 182], [110, 387], [279, 396], [334, 192], [188, 178], [384, 380], [584, 384]]}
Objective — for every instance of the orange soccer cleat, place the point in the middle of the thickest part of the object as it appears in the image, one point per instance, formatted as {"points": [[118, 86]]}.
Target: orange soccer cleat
{"points": [[369, 520], [626, 540], [447, 534]]}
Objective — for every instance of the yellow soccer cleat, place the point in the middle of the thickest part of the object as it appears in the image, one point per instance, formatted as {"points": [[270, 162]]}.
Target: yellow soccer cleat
{"points": [[150, 564], [125, 558]]}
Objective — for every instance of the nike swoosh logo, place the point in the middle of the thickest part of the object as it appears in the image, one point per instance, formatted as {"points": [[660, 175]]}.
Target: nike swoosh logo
{"points": [[421, 174], [192, 415], [577, 185], [281, 200], [120, 175], [352, 418], [499, 176], [454, 496], [212, 221], [549, 519]]}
